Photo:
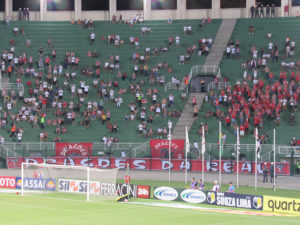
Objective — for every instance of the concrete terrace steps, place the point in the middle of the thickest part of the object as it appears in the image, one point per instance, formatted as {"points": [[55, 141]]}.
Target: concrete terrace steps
{"points": [[186, 118], [214, 58], [220, 42]]}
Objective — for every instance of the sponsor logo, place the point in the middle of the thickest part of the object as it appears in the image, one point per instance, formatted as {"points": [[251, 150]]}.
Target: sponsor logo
{"points": [[122, 189], [257, 202], [50, 184], [235, 200], [7, 182], [38, 184], [79, 186], [143, 191], [165, 193], [282, 205], [18, 182], [211, 197], [193, 196]]}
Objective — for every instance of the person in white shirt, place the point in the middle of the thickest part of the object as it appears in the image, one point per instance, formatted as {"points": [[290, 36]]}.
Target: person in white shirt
{"points": [[216, 187], [92, 37]]}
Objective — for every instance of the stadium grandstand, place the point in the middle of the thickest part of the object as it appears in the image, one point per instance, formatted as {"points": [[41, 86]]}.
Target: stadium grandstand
{"points": [[163, 92]]}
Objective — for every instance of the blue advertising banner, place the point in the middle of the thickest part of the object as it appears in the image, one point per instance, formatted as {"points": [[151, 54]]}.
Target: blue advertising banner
{"points": [[235, 200], [42, 184]]}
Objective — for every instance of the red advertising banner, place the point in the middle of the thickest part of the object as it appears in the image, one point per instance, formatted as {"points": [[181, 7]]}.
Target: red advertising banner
{"points": [[152, 164], [7, 182], [73, 149], [160, 148]]}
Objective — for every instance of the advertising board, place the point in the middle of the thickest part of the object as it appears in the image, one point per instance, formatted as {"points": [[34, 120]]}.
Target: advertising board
{"points": [[282, 205], [41, 184], [235, 200], [165, 193], [7, 182]]}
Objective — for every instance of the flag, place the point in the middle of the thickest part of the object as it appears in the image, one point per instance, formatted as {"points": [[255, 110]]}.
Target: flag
{"points": [[203, 141], [220, 139], [257, 144], [238, 144], [187, 141]]}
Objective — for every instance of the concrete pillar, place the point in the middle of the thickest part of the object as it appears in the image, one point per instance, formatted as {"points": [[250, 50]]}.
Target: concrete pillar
{"points": [[181, 9], [43, 10], [215, 6], [8, 8], [77, 10], [112, 8], [147, 9], [249, 3]]}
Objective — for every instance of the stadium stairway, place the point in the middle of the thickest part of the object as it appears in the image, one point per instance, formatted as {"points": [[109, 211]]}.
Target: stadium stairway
{"points": [[187, 119], [220, 42], [214, 58]]}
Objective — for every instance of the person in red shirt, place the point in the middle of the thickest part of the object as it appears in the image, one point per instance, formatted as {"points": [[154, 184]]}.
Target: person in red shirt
{"points": [[227, 120], [242, 131]]}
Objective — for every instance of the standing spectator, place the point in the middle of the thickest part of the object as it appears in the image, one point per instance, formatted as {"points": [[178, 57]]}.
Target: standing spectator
{"points": [[216, 187], [252, 11], [42, 121], [13, 130], [273, 10], [262, 13], [24, 14], [20, 14], [256, 11], [268, 11], [201, 185], [231, 188], [193, 184], [27, 14], [8, 21], [265, 172]]}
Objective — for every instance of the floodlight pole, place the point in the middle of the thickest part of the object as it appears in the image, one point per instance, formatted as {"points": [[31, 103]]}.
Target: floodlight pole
{"points": [[274, 164], [170, 138]]}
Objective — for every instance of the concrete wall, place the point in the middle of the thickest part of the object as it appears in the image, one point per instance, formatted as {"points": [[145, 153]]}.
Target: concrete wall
{"points": [[180, 13]]}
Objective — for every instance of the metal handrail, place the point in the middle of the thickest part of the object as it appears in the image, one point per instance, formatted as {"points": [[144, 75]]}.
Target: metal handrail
{"points": [[170, 85], [217, 85], [100, 146]]}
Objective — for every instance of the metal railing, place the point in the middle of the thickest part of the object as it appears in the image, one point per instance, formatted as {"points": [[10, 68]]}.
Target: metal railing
{"points": [[172, 86], [7, 152], [205, 70], [11, 86], [140, 149], [48, 148], [217, 85]]}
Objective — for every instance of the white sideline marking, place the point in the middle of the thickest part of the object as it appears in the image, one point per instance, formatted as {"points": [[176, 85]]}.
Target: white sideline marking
{"points": [[211, 210]]}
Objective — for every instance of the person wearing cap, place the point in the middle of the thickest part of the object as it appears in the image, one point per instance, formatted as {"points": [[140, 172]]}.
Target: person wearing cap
{"points": [[216, 187]]}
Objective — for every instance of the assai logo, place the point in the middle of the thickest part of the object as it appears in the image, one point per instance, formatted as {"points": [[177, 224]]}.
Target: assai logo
{"points": [[18, 182], [211, 197], [50, 184], [165, 193], [257, 202], [193, 196]]}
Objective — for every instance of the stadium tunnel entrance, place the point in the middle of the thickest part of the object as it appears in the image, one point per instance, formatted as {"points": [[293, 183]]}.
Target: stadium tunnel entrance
{"points": [[199, 83]]}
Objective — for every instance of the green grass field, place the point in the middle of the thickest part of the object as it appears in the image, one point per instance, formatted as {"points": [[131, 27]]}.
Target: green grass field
{"points": [[62, 209]]}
